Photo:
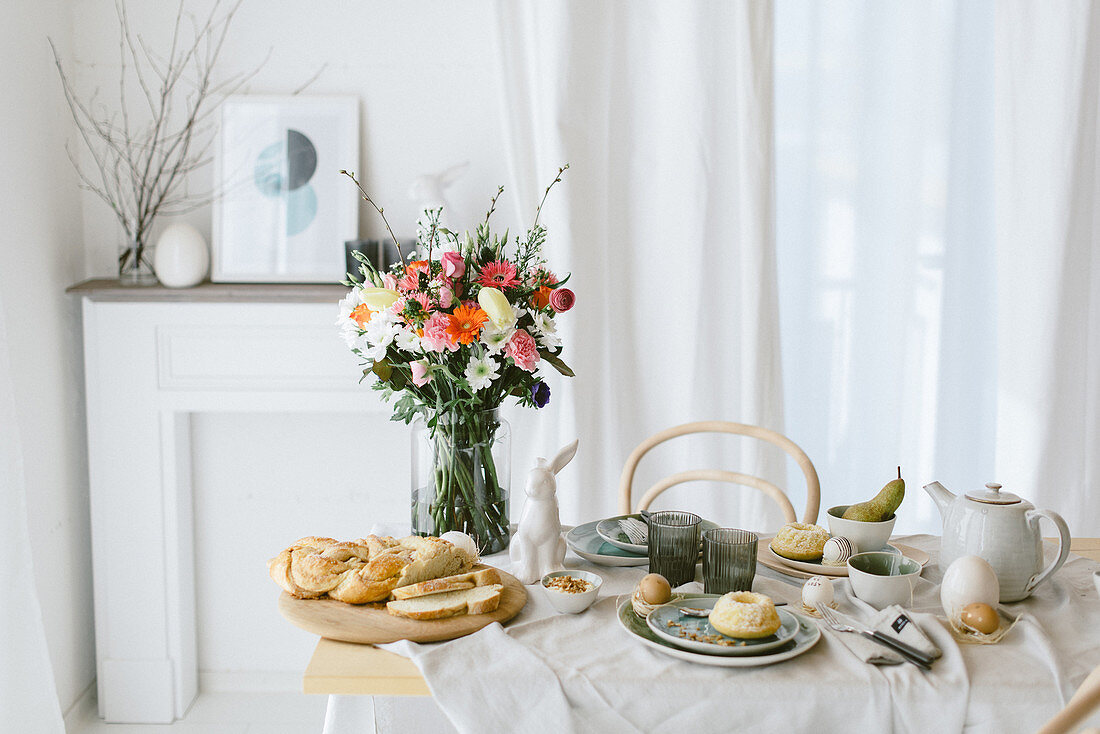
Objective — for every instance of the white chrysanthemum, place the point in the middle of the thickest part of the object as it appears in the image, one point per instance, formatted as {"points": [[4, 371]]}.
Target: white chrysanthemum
{"points": [[349, 328], [495, 339], [380, 333], [481, 371], [546, 330], [407, 340]]}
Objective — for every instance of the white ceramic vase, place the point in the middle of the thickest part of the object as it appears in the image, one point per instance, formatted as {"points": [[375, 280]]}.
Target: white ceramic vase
{"points": [[181, 258]]}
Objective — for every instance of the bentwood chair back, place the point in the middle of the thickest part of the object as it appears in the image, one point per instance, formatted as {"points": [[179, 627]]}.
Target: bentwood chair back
{"points": [[813, 485], [1083, 703]]}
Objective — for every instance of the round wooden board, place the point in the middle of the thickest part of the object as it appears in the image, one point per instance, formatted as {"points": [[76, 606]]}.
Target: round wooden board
{"points": [[372, 624]]}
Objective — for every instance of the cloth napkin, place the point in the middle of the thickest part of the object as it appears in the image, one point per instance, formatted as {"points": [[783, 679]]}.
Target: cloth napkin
{"points": [[894, 622]]}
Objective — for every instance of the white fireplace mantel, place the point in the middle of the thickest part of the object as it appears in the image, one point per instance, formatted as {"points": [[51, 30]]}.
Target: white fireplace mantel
{"points": [[153, 357]]}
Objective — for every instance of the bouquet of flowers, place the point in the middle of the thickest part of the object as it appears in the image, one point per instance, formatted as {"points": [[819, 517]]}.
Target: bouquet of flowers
{"points": [[453, 334]]}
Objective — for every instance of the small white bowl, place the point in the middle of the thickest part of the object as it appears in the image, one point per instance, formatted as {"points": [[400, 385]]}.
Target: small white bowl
{"points": [[865, 536], [572, 603]]}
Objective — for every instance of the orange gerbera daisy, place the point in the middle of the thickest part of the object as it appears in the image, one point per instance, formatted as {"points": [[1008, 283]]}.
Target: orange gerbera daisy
{"points": [[361, 315], [466, 323]]}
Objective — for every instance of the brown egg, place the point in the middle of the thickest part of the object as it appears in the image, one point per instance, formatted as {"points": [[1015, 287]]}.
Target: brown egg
{"points": [[655, 589], [981, 617]]}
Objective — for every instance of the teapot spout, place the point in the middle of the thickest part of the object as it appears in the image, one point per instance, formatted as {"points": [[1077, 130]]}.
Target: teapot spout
{"points": [[942, 496]]}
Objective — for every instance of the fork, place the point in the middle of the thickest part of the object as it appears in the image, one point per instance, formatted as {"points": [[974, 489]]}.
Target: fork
{"points": [[636, 530], [907, 652]]}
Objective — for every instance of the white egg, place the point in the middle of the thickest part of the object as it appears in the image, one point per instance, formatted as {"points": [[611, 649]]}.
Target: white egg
{"points": [[968, 580], [461, 540], [817, 592]]}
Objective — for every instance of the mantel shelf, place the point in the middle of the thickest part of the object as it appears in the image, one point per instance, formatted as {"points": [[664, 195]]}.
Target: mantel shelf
{"points": [[109, 289]]}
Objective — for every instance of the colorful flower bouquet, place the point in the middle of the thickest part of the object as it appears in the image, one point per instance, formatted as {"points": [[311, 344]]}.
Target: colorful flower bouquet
{"points": [[454, 334]]}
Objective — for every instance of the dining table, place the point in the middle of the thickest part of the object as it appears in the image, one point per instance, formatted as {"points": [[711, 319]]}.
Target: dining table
{"points": [[549, 672]]}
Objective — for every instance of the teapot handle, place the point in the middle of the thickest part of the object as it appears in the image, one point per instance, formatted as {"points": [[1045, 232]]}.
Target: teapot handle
{"points": [[1063, 547]]}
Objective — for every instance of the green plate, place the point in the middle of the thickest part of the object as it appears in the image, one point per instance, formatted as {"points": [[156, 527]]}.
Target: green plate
{"points": [[586, 543], [609, 530], [807, 636], [667, 621]]}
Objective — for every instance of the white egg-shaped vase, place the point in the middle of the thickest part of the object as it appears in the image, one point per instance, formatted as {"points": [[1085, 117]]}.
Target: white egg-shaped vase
{"points": [[181, 259]]}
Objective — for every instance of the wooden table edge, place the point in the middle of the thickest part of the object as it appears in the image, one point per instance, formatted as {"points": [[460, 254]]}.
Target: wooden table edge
{"points": [[350, 669]]}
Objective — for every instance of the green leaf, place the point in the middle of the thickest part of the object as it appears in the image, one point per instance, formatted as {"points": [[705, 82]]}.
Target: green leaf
{"points": [[559, 365], [383, 369]]}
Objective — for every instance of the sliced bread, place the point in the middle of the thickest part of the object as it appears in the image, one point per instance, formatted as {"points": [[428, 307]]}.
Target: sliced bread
{"points": [[481, 577], [478, 600]]}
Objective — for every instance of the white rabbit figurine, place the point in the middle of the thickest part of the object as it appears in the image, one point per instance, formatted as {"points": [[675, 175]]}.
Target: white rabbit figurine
{"points": [[538, 548], [429, 190]]}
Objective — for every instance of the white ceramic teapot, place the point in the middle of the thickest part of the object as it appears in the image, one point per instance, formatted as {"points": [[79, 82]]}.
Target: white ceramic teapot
{"points": [[1004, 530]]}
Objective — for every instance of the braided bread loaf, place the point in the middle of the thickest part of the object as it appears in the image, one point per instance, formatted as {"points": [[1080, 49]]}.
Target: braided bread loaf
{"points": [[364, 570]]}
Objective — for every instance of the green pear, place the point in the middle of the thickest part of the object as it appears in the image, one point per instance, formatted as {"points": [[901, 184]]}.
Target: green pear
{"points": [[882, 506]]}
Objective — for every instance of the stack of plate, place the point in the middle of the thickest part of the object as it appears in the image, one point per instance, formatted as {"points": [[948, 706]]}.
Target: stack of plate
{"points": [[668, 630], [804, 569], [603, 542]]}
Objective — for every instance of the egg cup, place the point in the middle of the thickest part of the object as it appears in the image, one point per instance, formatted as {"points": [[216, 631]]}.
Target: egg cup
{"points": [[963, 633]]}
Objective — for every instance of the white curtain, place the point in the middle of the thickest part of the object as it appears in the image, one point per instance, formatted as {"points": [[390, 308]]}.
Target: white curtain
{"points": [[885, 242], [28, 696], [1048, 266], [665, 219]]}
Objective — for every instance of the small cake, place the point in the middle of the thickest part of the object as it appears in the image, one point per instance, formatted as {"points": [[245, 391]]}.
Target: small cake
{"points": [[837, 551], [800, 541], [745, 614], [817, 592]]}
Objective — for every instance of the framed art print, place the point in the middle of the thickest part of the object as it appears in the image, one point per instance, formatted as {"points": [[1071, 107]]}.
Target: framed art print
{"points": [[285, 210]]}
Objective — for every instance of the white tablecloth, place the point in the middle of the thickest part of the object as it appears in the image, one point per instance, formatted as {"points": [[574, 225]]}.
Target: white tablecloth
{"points": [[546, 672]]}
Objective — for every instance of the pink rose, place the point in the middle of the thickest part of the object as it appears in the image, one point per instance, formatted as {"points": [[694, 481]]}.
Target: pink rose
{"points": [[420, 374], [435, 338], [523, 350], [562, 299], [454, 265], [446, 295]]}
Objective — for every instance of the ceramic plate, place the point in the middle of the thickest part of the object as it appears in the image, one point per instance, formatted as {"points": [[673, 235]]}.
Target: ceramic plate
{"points": [[584, 541], [807, 636], [821, 568], [669, 623], [610, 531]]}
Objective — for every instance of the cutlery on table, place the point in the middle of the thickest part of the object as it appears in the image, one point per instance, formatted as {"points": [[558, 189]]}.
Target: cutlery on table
{"points": [[908, 652]]}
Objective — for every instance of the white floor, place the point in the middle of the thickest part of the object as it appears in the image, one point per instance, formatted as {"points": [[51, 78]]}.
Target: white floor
{"points": [[229, 713]]}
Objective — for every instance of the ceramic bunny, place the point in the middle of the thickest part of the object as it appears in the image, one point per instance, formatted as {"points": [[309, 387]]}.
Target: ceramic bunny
{"points": [[429, 190], [538, 547]]}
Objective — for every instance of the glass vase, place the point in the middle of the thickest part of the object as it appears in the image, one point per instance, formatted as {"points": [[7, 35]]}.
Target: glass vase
{"points": [[461, 476], [135, 262]]}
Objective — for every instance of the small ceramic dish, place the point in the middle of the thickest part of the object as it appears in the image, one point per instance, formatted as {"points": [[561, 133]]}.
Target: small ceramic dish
{"points": [[572, 602], [865, 536], [882, 579], [820, 569], [696, 633], [586, 543]]}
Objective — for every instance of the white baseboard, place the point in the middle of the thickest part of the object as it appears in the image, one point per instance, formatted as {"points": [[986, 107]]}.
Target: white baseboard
{"points": [[249, 681], [84, 709]]}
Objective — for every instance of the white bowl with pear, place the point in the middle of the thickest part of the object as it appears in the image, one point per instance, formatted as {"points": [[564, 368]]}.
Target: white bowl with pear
{"points": [[868, 525]]}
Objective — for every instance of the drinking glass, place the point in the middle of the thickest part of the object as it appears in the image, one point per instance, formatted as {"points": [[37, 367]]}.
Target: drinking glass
{"points": [[674, 545], [729, 560]]}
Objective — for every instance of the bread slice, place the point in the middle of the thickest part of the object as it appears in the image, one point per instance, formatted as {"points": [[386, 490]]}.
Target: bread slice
{"points": [[478, 600], [481, 577]]}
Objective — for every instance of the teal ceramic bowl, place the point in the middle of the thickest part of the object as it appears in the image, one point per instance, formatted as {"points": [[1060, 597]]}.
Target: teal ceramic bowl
{"points": [[882, 579]]}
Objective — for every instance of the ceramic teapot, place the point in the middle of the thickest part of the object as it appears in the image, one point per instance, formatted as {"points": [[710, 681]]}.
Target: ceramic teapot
{"points": [[1004, 530]]}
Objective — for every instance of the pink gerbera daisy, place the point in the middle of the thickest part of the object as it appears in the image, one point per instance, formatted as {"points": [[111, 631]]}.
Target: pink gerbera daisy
{"points": [[498, 274]]}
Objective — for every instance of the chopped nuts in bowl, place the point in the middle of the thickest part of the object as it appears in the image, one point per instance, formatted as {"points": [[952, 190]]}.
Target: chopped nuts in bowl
{"points": [[571, 591]]}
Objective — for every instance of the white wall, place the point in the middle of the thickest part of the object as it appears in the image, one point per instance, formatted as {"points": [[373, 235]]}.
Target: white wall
{"points": [[423, 72], [40, 255]]}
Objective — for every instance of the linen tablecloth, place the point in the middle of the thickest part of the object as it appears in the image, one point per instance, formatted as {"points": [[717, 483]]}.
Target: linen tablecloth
{"points": [[577, 673]]}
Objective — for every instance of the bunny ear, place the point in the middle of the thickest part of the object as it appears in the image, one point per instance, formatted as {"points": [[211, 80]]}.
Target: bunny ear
{"points": [[564, 456], [453, 173]]}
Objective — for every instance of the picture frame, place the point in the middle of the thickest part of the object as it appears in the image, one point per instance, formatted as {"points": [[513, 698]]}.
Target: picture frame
{"points": [[284, 210]]}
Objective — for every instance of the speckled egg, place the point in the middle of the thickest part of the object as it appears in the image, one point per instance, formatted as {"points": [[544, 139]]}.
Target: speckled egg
{"points": [[837, 551], [817, 592]]}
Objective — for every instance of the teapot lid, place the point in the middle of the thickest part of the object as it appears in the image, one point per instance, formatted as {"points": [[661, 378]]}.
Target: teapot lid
{"points": [[993, 495]]}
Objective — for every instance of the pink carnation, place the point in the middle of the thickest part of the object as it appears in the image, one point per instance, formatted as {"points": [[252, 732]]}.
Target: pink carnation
{"points": [[523, 350], [420, 376], [435, 337], [562, 299], [454, 265]]}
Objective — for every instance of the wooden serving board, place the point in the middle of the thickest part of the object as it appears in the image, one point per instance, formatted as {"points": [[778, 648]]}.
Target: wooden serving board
{"points": [[372, 624]]}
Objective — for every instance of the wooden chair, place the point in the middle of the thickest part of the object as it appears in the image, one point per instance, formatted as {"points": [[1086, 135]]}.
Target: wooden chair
{"points": [[813, 485], [1083, 703]]}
